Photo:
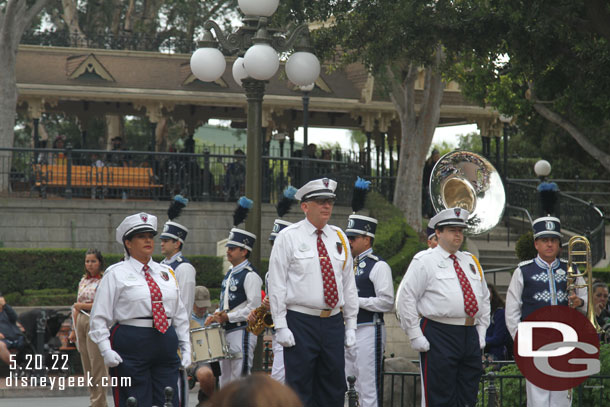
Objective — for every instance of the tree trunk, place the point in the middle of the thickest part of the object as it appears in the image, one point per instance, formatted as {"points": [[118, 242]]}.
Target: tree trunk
{"points": [[417, 132], [70, 16], [581, 139], [14, 20]]}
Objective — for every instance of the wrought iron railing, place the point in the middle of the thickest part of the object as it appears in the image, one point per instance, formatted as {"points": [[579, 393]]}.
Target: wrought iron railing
{"points": [[497, 389], [98, 174], [576, 215]]}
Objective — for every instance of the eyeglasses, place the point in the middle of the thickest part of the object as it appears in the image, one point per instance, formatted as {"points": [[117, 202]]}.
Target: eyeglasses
{"points": [[324, 201]]}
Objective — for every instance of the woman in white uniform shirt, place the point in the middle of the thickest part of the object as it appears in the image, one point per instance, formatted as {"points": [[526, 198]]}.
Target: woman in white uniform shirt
{"points": [[138, 320]]}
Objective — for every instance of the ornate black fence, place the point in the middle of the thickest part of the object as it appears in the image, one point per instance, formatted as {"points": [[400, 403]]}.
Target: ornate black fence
{"points": [[578, 216], [99, 174]]}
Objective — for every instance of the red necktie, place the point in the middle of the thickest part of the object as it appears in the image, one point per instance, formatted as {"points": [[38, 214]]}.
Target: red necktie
{"points": [[158, 310], [470, 301], [331, 296]]}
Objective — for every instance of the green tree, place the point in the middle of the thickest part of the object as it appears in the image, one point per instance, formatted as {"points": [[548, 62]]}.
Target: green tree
{"points": [[400, 42], [546, 60]]}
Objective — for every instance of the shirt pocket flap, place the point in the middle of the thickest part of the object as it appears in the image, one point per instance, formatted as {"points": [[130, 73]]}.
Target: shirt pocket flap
{"points": [[308, 254], [444, 275]]}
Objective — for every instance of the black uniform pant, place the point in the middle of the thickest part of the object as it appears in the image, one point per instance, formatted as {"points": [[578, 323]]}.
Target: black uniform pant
{"points": [[452, 368], [150, 359], [315, 366]]}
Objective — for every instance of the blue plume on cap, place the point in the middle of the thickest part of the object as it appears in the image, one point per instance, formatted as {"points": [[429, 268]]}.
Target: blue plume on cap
{"points": [[283, 206], [290, 192], [361, 183], [175, 207], [361, 188], [241, 212], [547, 186], [245, 202]]}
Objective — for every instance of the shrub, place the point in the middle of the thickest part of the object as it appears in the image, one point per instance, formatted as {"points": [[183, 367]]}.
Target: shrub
{"points": [[524, 248]]}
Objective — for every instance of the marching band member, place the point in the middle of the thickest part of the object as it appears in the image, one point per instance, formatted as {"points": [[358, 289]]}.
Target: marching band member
{"points": [[537, 283], [314, 301], [172, 242], [240, 294], [138, 320], [375, 296], [444, 309]]}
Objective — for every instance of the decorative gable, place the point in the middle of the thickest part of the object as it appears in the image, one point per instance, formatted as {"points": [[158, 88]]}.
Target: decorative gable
{"points": [[87, 67]]}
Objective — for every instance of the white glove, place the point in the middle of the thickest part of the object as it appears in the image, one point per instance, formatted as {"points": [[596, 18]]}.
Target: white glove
{"points": [[285, 337], [482, 342], [111, 358], [185, 353], [420, 344], [350, 337]]}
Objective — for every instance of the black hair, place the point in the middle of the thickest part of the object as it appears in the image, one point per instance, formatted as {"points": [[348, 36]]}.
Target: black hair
{"points": [[99, 257], [496, 300]]}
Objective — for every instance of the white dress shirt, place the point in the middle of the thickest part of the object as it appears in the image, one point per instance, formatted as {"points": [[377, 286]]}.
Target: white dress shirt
{"points": [[512, 312], [252, 286], [381, 277], [185, 274], [431, 289], [124, 294], [295, 277]]}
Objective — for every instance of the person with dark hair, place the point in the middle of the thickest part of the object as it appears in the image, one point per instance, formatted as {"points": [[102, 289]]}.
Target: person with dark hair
{"points": [[257, 390], [90, 356], [444, 309], [235, 175], [240, 294], [138, 320], [427, 209], [538, 283], [498, 340], [600, 302], [11, 337]]}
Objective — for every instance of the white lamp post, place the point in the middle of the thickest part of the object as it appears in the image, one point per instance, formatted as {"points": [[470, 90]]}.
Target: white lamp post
{"points": [[542, 168], [257, 62]]}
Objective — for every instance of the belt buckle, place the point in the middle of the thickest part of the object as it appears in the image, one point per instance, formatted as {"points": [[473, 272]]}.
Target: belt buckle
{"points": [[325, 313], [469, 321]]}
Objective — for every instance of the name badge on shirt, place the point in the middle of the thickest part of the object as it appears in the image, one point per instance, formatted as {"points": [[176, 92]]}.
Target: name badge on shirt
{"points": [[362, 265], [303, 247], [442, 265], [131, 277], [560, 272], [233, 288]]}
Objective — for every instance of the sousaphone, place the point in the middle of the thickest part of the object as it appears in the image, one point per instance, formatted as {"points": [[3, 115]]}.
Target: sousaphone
{"points": [[462, 179]]}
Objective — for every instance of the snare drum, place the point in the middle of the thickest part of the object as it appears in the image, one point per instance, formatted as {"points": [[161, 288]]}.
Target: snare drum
{"points": [[209, 344]]}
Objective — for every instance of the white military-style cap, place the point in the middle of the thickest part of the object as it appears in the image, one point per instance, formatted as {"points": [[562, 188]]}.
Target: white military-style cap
{"points": [[138, 223], [317, 189], [450, 217]]}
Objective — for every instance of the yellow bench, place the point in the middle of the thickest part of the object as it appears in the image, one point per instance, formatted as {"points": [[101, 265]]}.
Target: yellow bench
{"points": [[84, 176]]}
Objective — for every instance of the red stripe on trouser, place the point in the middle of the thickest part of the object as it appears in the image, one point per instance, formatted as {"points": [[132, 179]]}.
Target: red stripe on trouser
{"points": [[423, 327], [112, 371]]}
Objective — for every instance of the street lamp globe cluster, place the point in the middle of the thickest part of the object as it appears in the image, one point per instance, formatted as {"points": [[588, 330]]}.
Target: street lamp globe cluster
{"points": [[258, 50], [260, 60]]}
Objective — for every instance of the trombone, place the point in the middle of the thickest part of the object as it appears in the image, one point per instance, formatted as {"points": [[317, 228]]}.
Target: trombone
{"points": [[579, 252]]}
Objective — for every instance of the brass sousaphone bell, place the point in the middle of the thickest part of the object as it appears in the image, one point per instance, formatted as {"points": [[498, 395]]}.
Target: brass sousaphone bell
{"points": [[462, 179]]}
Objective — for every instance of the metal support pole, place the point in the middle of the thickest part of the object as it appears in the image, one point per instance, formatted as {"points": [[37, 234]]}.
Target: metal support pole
{"points": [[153, 136], [352, 395], [206, 175], [368, 153], [305, 163], [68, 152], [36, 135], [497, 151], [505, 146], [255, 91]]}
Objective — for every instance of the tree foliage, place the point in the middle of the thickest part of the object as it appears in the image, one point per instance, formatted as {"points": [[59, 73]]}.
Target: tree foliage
{"points": [[544, 59]]}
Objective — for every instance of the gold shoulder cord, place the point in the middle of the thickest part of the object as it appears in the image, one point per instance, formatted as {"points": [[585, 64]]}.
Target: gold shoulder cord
{"points": [[344, 247], [478, 265], [176, 280]]}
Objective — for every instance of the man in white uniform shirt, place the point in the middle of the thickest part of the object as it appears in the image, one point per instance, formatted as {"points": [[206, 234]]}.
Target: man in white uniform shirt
{"points": [[444, 309], [375, 296], [314, 301]]}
